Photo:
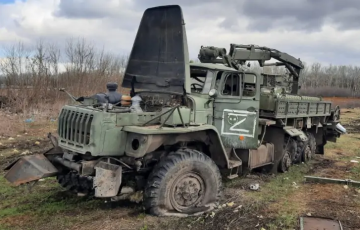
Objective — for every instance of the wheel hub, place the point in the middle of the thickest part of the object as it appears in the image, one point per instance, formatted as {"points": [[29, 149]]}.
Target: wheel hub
{"points": [[187, 191], [286, 161]]}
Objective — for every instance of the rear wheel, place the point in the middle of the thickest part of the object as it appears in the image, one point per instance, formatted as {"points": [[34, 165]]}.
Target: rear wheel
{"points": [[312, 142], [307, 154], [185, 182], [288, 152], [300, 146]]}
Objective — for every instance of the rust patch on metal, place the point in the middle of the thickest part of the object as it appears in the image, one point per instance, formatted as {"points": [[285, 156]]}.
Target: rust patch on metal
{"points": [[261, 156], [107, 180], [30, 168]]}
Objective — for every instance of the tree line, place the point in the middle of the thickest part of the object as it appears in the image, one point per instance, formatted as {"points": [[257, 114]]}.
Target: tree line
{"points": [[83, 69]]}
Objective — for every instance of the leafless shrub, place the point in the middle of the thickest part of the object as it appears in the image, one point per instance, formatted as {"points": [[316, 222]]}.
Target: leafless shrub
{"points": [[33, 75]]}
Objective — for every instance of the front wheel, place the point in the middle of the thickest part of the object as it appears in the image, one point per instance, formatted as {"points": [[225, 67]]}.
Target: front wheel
{"points": [[185, 182]]}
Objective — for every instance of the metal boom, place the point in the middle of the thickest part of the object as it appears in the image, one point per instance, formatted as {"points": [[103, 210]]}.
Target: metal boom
{"points": [[239, 54]]}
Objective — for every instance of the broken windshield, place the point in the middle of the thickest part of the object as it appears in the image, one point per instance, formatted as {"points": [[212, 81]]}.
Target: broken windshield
{"points": [[200, 80]]}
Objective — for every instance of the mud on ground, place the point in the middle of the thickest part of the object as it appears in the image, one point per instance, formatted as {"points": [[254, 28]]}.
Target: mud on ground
{"points": [[278, 204]]}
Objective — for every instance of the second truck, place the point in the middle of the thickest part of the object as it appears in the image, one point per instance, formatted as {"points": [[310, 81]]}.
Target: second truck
{"points": [[186, 126]]}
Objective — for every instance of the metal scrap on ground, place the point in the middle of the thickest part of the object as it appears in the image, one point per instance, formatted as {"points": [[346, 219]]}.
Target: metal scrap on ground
{"points": [[331, 180], [316, 223]]}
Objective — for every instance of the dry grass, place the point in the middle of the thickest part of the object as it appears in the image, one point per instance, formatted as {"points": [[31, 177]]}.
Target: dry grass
{"points": [[279, 203]]}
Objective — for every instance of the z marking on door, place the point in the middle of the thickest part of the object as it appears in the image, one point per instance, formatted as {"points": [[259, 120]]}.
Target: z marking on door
{"points": [[238, 122]]}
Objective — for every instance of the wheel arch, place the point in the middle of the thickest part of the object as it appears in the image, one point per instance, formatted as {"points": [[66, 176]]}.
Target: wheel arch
{"points": [[151, 139]]}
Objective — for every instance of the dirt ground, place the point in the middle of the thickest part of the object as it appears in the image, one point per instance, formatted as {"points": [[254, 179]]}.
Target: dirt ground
{"points": [[278, 204]]}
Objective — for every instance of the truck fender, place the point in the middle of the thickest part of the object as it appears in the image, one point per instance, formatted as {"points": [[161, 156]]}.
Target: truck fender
{"points": [[294, 132], [167, 136]]}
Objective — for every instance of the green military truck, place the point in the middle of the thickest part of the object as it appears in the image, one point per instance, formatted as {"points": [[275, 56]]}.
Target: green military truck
{"points": [[188, 124]]}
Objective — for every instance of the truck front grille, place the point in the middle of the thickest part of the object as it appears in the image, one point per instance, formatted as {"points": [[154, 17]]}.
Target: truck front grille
{"points": [[75, 126]]}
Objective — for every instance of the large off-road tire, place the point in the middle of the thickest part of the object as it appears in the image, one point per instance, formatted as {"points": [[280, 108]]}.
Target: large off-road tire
{"points": [[300, 146], [289, 150], [312, 142], [183, 183], [307, 154], [303, 151]]}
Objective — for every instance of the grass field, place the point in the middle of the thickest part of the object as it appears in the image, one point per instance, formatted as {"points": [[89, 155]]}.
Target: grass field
{"points": [[279, 203]]}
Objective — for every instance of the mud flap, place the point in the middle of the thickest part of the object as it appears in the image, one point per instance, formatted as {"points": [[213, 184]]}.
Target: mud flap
{"points": [[107, 179], [30, 168], [293, 132]]}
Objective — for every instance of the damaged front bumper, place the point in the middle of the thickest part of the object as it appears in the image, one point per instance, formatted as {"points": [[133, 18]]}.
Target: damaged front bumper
{"points": [[30, 168], [106, 177]]}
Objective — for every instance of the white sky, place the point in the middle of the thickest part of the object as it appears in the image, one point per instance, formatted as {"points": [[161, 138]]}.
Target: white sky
{"points": [[325, 31]]}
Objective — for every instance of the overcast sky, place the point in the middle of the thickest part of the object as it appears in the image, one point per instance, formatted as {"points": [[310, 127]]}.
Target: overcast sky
{"points": [[326, 31]]}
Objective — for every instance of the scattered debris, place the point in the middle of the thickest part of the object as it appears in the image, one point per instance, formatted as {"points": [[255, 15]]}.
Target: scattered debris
{"points": [[346, 187], [212, 214], [25, 152], [230, 204], [235, 210], [308, 214], [295, 185], [37, 143], [254, 187], [330, 180], [354, 161], [29, 120], [11, 139], [15, 151]]}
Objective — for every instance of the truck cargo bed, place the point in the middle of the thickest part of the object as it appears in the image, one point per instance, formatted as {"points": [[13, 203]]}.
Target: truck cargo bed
{"points": [[293, 109]]}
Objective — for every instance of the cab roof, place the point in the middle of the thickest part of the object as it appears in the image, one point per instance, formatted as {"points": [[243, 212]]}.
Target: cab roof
{"points": [[212, 66]]}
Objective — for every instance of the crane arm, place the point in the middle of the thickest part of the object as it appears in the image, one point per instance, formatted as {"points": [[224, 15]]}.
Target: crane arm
{"points": [[239, 54]]}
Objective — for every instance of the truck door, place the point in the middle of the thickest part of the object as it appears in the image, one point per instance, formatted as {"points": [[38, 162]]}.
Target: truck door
{"points": [[236, 109]]}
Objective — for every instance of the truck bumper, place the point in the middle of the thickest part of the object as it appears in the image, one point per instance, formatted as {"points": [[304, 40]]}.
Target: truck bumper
{"points": [[107, 177], [30, 168]]}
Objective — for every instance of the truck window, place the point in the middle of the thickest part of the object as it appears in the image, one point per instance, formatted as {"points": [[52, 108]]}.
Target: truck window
{"points": [[249, 85], [200, 80], [231, 85]]}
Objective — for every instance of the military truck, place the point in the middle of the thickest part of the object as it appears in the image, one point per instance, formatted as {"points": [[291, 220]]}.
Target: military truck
{"points": [[188, 125]]}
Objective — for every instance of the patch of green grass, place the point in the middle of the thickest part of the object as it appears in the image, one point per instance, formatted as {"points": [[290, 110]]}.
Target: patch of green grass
{"points": [[141, 216], [355, 171], [282, 184], [284, 220], [46, 199], [145, 227]]}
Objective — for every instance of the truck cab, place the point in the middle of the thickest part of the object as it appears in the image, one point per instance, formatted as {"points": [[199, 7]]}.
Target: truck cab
{"points": [[232, 99]]}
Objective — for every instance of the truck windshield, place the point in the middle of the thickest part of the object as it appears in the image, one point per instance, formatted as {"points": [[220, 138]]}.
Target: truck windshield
{"points": [[200, 81]]}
